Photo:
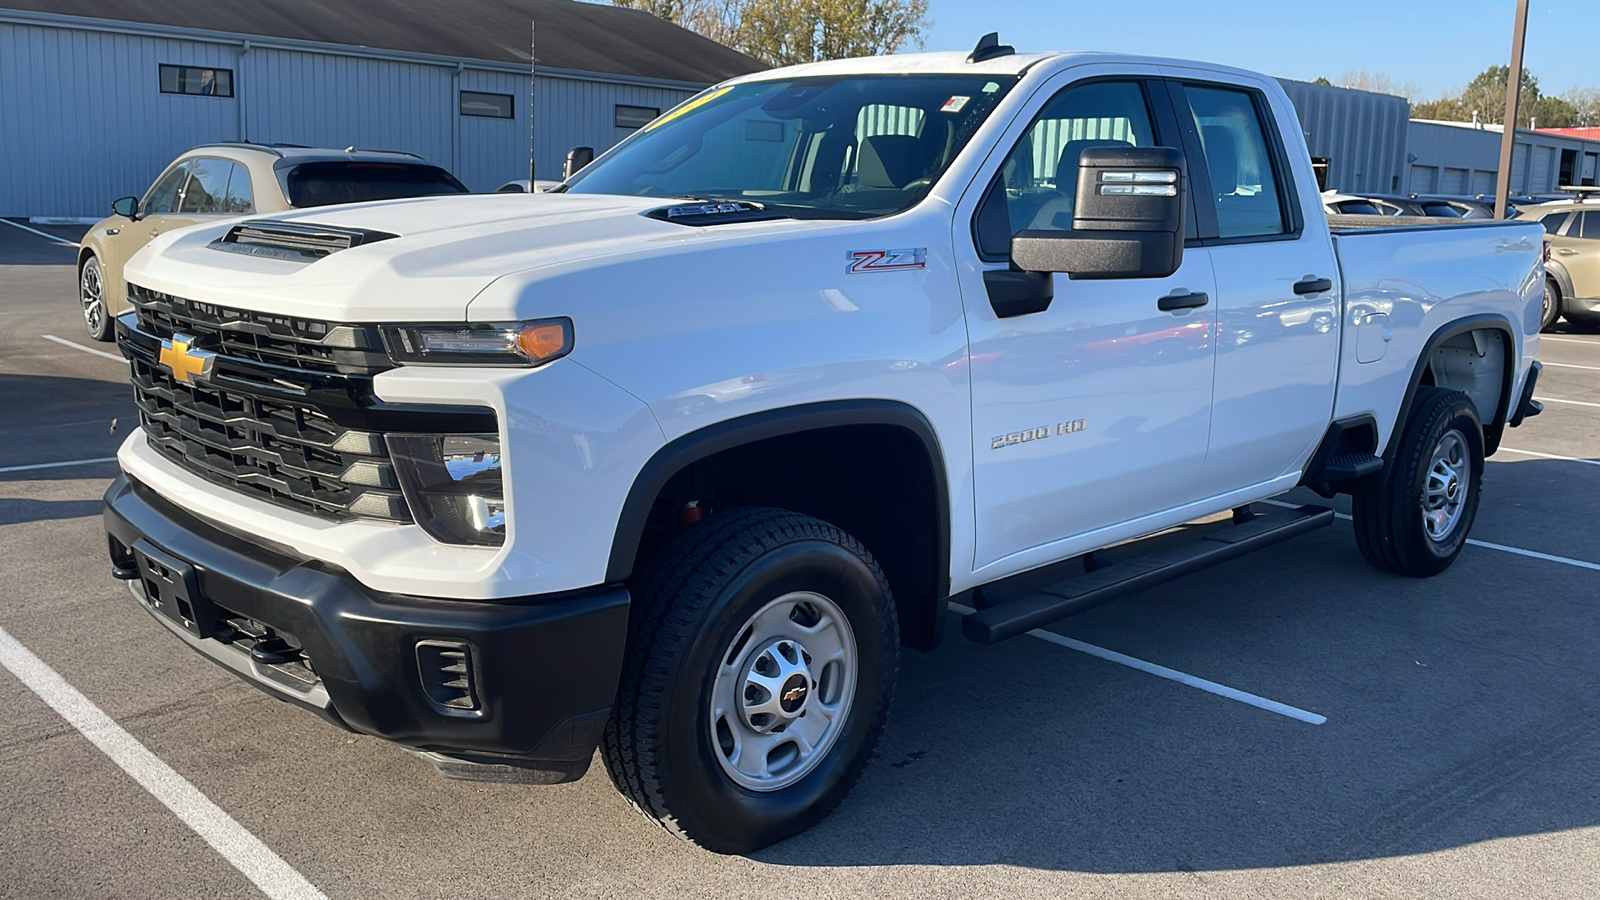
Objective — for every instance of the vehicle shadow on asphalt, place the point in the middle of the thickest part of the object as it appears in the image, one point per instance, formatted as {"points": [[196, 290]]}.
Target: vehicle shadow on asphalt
{"points": [[24, 248], [1460, 709], [16, 510]]}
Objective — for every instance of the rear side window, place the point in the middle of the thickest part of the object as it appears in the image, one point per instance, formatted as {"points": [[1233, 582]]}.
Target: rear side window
{"points": [[240, 198], [327, 183], [1553, 222], [1247, 189]]}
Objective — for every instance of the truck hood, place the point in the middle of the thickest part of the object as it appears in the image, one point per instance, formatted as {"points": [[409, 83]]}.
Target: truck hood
{"points": [[446, 250]]}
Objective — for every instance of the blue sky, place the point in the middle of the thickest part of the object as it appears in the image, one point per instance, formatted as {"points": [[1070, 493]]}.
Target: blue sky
{"points": [[1439, 44]]}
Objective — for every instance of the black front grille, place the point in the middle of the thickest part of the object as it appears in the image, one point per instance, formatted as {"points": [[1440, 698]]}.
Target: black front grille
{"points": [[283, 451], [292, 341]]}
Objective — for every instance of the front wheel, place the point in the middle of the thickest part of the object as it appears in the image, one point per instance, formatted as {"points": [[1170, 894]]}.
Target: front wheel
{"points": [[762, 656], [1415, 520], [92, 299]]}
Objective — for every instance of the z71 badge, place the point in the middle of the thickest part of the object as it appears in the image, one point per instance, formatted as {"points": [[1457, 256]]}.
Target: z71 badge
{"points": [[886, 260]]}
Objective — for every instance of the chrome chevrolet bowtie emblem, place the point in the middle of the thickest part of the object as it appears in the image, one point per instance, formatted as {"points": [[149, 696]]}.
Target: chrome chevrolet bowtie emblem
{"points": [[185, 363]]}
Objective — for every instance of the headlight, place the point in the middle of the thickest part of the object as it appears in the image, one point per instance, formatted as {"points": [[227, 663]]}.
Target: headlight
{"points": [[452, 482], [481, 344]]}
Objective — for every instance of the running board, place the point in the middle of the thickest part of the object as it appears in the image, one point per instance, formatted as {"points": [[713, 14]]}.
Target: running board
{"points": [[1014, 617]]}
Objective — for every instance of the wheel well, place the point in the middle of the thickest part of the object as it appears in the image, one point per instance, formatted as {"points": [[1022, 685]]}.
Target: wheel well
{"points": [[878, 482], [1477, 362], [83, 257]]}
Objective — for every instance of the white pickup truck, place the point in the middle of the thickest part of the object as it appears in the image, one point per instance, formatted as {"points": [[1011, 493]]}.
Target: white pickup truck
{"points": [[673, 461]]}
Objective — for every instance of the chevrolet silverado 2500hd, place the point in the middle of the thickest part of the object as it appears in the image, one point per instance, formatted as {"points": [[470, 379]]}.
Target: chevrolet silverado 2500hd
{"points": [[673, 461]]}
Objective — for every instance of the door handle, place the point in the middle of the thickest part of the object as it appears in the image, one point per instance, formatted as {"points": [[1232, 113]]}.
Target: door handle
{"points": [[1186, 300], [1567, 251], [1313, 285]]}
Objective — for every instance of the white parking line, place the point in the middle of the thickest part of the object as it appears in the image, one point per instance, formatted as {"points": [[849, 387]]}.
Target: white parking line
{"points": [[1210, 687], [1587, 462], [114, 357], [1570, 366], [1567, 340], [1487, 545], [243, 850], [1570, 402], [58, 465], [48, 237]]}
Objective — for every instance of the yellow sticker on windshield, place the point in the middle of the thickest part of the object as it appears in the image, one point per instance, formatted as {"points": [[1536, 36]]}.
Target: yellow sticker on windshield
{"points": [[692, 105]]}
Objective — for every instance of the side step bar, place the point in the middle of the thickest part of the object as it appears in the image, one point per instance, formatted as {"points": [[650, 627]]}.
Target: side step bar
{"points": [[1014, 617]]}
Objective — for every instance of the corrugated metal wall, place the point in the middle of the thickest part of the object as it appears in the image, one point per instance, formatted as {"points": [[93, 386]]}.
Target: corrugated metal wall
{"points": [[83, 121], [1361, 134]]}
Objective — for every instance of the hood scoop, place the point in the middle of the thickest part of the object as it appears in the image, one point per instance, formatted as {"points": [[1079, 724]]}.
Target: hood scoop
{"points": [[714, 212], [293, 241]]}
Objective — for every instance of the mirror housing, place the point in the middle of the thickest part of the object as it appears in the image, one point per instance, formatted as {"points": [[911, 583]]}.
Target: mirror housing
{"points": [[1127, 218], [127, 207], [577, 158]]}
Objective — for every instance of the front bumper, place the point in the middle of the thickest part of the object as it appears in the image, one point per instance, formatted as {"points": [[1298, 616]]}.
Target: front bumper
{"points": [[543, 670]]}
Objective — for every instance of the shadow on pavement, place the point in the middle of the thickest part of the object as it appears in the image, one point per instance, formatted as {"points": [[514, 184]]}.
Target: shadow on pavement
{"points": [[19, 247], [16, 510], [1460, 709]]}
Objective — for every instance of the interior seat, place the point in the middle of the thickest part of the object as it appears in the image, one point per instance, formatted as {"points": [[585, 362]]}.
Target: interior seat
{"points": [[1053, 204]]}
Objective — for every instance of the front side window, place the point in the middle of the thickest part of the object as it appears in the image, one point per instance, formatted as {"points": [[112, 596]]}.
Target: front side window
{"points": [[207, 189], [1243, 181], [1041, 174], [163, 195], [196, 80], [850, 147]]}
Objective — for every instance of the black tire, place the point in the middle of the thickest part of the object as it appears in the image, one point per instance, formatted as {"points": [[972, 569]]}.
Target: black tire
{"points": [[1389, 516], [97, 318], [690, 605], [1552, 305]]}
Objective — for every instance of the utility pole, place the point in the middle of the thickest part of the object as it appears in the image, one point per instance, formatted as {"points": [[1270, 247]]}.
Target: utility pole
{"points": [[1508, 136]]}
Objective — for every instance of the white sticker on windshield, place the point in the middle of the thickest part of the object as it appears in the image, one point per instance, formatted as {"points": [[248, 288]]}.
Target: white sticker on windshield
{"points": [[954, 104]]}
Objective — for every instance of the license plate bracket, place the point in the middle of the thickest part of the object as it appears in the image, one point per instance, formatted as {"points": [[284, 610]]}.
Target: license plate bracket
{"points": [[173, 590]]}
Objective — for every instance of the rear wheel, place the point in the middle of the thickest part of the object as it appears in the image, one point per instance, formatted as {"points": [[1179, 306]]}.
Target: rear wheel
{"points": [[762, 655], [92, 298], [1551, 312], [1415, 520]]}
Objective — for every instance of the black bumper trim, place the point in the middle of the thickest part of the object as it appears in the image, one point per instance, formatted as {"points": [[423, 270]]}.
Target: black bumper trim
{"points": [[1527, 407], [548, 664]]}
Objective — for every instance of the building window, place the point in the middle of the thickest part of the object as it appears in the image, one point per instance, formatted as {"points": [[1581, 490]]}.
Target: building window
{"points": [[632, 117], [490, 106], [196, 80]]}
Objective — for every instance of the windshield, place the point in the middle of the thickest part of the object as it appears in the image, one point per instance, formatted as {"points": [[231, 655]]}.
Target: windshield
{"points": [[327, 183], [848, 147]]}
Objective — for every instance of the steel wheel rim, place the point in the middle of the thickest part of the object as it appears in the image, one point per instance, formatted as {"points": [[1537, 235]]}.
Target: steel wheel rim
{"points": [[1544, 315], [1444, 490], [782, 691], [92, 295]]}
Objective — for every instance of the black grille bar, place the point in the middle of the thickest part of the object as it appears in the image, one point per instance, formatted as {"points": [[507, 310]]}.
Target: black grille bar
{"points": [[263, 337]]}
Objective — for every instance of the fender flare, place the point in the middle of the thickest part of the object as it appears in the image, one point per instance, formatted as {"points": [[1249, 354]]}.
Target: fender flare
{"points": [[682, 452], [1557, 272], [1493, 429]]}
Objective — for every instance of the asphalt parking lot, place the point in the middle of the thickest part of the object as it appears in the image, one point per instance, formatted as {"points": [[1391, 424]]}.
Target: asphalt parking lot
{"points": [[1319, 729]]}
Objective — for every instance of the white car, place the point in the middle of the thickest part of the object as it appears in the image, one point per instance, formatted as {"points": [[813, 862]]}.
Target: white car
{"points": [[525, 186], [674, 460]]}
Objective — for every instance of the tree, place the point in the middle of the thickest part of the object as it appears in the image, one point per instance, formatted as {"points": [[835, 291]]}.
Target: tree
{"points": [[1586, 103], [1378, 83], [786, 32], [1547, 112], [1486, 95]]}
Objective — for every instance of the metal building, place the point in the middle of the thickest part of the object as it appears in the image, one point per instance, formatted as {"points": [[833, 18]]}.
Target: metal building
{"points": [[1464, 158], [97, 96], [1358, 138]]}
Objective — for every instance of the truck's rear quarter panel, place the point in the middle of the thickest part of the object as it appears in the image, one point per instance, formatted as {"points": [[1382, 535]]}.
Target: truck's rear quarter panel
{"points": [[1424, 278]]}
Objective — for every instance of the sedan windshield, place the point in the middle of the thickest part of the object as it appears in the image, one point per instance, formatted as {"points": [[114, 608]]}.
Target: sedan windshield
{"points": [[840, 148]]}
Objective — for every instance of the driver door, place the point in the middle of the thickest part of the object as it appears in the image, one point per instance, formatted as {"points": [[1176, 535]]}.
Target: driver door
{"points": [[1095, 411]]}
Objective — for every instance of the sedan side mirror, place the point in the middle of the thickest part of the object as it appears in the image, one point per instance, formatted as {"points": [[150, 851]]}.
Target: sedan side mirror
{"points": [[577, 158], [1127, 218], [127, 207]]}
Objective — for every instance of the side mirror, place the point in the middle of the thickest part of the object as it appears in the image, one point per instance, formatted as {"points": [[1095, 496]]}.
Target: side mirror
{"points": [[1127, 218], [127, 207], [577, 158]]}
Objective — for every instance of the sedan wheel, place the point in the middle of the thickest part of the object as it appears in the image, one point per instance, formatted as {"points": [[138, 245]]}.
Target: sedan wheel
{"points": [[92, 297]]}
